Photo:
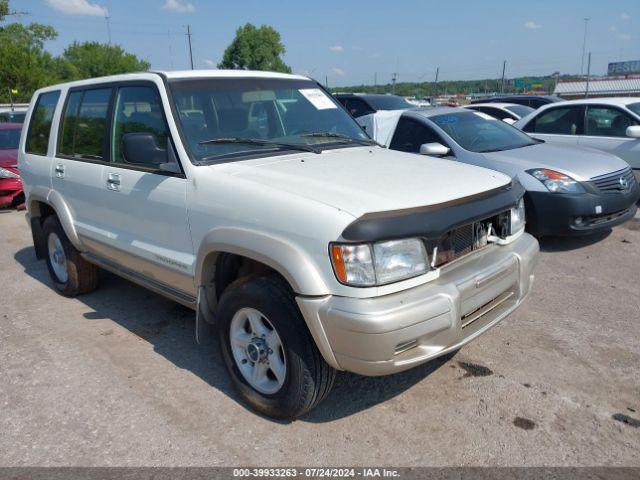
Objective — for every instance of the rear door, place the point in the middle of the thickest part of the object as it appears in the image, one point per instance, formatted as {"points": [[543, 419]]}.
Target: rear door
{"points": [[561, 125], [76, 170], [145, 206], [606, 128]]}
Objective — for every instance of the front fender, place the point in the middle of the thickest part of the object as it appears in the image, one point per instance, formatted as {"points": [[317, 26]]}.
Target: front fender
{"points": [[278, 253]]}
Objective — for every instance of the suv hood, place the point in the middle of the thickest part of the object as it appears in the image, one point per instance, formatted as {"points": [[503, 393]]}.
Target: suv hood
{"points": [[578, 162], [363, 180]]}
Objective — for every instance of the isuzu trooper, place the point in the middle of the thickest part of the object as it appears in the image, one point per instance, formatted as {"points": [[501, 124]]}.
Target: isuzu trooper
{"points": [[255, 199]]}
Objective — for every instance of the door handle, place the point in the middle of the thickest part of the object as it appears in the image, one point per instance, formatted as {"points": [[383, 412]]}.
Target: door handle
{"points": [[113, 182], [59, 170]]}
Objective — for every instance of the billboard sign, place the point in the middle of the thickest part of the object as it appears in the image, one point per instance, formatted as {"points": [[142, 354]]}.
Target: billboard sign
{"points": [[624, 68]]}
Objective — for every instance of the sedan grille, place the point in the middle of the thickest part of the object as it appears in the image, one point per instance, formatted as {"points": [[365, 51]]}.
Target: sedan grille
{"points": [[615, 182]]}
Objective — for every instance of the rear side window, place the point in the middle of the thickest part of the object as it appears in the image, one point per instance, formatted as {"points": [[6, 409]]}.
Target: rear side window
{"points": [[357, 107], [84, 129], [40, 127], [560, 121]]}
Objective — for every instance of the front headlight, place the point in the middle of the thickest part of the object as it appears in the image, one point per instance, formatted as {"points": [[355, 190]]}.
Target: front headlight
{"points": [[517, 217], [4, 173], [366, 265], [556, 182]]}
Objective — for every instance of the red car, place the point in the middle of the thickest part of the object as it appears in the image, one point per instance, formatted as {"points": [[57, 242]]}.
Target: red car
{"points": [[11, 193]]}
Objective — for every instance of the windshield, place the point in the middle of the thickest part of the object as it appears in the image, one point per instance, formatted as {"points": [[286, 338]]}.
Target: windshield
{"points": [[478, 132], [9, 139], [634, 107], [520, 110], [389, 102], [217, 114]]}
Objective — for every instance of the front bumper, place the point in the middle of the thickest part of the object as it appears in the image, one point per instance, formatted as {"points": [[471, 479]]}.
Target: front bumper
{"points": [[10, 188], [559, 214], [383, 335]]}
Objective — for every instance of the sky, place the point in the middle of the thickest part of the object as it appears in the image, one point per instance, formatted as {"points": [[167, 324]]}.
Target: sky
{"points": [[353, 42]]}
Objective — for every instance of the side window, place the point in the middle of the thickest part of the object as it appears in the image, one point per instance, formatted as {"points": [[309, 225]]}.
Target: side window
{"points": [[357, 107], [40, 126], [411, 134], [84, 129], [607, 122], [561, 121], [138, 109], [495, 112]]}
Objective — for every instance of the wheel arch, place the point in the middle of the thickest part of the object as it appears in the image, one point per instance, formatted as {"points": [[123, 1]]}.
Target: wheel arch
{"points": [[39, 207]]}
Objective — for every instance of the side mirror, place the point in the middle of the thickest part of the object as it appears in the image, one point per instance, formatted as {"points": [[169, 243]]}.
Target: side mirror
{"points": [[509, 121], [434, 149], [142, 148], [633, 131]]}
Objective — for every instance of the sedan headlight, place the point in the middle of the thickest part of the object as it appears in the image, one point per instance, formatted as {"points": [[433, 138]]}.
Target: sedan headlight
{"points": [[556, 182], [367, 265], [4, 173], [517, 217]]}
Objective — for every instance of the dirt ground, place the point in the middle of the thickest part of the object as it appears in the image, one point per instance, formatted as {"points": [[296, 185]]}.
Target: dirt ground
{"points": [[115, 378]]}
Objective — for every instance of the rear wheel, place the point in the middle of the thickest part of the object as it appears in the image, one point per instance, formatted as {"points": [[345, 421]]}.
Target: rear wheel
{"points": [[71, 274], [268, 350]]}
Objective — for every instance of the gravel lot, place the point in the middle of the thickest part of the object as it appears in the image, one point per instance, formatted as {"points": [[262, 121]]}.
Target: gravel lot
{"points": [[115, 378]]}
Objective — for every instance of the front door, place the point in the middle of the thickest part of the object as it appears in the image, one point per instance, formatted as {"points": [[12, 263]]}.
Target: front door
{"points": [[145, 207]]}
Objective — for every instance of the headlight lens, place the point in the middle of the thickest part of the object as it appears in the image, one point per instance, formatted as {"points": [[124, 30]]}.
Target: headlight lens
{"points": [[4, 173], [517, 217], [556, 182], [365, 265]]}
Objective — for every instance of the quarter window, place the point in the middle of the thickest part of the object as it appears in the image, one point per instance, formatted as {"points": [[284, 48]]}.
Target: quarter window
{"points": [[84, 129], [607, 122], [561, 121], [40, 126], [138, 110]]}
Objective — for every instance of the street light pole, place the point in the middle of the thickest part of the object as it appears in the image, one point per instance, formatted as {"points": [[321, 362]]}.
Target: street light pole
{"points": [[586, 90], [584, 45]]}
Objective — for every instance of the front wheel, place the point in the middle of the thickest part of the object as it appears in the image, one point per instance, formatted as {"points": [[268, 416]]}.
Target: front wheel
{"points": [[268, 350]]}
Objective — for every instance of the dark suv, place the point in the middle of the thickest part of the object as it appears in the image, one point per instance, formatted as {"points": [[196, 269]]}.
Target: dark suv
{"points": [[359, 104], [533, 101]]}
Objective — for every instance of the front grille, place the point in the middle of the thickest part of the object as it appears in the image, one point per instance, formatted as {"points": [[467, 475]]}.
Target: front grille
{"points": [[463, 240], [615, 182]]}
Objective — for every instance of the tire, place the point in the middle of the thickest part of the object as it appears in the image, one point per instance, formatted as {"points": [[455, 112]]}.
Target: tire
{"points": [[71, 275], [307, 378]]}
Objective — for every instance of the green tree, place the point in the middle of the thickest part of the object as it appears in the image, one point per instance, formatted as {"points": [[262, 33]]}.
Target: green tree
{"points": [[25, 65], [94, 59], [4, 9], [255, 49]]}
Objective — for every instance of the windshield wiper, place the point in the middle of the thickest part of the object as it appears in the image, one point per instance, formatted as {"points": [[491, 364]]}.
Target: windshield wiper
{"points": [[261, 142], [361, 141]]}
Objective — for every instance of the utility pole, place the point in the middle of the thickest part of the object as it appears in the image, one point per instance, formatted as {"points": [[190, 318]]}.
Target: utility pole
{"points": [[584, 45], [190, 49], [106, 18], [326, 82], [394, 77], [170, 51], [375, 82], [586, 90], [504, 66], [435, 87]]}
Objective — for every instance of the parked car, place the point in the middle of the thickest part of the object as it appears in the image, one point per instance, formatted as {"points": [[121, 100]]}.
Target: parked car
{"points": [[608, 124], [15, 115], [10, 183], [570, 190], [359, 104], [507, 112], [256, 200], [533, 101]]}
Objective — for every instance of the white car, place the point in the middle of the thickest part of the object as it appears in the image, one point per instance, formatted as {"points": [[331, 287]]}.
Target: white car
{"points": [[256, 200], [507, 112], [608, 124]]}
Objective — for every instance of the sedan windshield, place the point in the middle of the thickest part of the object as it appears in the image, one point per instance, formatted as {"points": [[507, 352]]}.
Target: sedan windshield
{"points": [[231, 118], [9, 139], [634, 107], [519, 110], [478, 132], [389, 102]]}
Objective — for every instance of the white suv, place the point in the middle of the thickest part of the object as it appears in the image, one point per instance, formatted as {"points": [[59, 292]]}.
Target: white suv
{"points": [[256, 200]]}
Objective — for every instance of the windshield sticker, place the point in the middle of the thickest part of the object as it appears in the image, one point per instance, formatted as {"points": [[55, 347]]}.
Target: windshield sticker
{"points": [[484, 115], [317, 98]]}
